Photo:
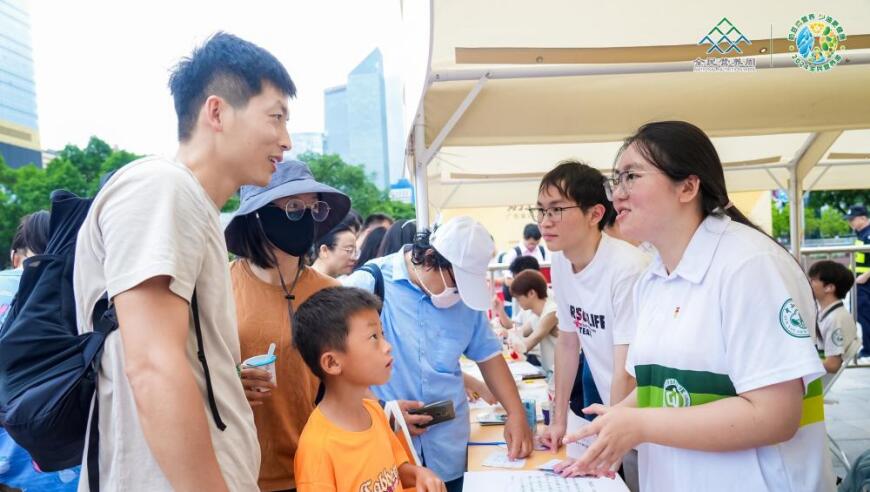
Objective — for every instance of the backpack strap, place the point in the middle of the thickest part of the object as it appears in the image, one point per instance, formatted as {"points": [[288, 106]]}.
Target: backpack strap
{"points": [[375, 272], [194, 305], [541, 249], [93, 436], [836, 306]]}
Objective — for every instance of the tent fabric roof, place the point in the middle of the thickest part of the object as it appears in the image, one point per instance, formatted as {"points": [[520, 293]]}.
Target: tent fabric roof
{"points": [[528, 116]]}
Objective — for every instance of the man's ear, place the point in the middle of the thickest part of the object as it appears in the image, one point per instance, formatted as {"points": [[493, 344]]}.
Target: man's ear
{"points": [[330, 363], [689, 188], [596, 213], [213, 113]]}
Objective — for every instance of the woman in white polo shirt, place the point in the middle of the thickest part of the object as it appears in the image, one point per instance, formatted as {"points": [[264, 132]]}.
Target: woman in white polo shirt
{"points": [[728, 393]]}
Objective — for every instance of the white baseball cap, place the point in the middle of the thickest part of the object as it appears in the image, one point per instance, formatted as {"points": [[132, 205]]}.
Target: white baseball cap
{"points": [[468, 246]]}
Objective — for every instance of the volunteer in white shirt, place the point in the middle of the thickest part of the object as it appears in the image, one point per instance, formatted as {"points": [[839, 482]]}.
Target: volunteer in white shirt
{"points": [[593, 275], [539, 331], [831, 281], [728, 393]]}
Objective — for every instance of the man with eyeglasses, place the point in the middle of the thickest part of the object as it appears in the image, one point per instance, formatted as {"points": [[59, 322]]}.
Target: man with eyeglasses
{"points": [[593, 276]]}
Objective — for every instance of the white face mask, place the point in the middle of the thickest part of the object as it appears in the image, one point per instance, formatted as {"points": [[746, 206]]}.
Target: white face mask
{"points": [[448, 298]]}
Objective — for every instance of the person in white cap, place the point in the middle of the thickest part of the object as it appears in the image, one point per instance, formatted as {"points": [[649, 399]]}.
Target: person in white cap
{"points": [[435, 295]]}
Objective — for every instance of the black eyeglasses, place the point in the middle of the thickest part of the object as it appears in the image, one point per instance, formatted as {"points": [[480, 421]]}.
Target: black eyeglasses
{"points": [[623, 181], [552, 213], [295, 209]]}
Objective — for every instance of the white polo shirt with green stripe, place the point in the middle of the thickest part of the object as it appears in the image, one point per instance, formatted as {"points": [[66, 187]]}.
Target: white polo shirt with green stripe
{"points": [[731, 318]]}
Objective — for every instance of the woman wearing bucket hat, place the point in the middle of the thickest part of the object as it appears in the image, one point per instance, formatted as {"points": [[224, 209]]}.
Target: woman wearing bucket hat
{"points": [[435, 295], [270, 234]]}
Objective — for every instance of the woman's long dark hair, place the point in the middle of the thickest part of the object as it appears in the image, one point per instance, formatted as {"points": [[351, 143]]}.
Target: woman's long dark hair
{"points": [[371, 245], [402, 232], [680, 149]]}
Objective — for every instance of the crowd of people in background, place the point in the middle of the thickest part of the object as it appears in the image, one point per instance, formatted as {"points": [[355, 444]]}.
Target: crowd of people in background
{"points": [[694, 343]]}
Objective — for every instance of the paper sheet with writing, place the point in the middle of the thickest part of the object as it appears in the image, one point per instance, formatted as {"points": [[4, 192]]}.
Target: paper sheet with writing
{"points": [[534, 481], [576, 449]]}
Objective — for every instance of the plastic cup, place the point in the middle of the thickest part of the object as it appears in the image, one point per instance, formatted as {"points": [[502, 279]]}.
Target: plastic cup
{"points": [[265, 362]]}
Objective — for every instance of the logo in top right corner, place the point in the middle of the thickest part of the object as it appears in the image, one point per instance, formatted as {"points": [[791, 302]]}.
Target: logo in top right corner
{"points": [[817, 41], [791, 321]]}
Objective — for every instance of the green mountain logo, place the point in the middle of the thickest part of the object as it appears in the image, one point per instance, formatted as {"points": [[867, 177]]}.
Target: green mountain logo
{"points": [[724, 34]]}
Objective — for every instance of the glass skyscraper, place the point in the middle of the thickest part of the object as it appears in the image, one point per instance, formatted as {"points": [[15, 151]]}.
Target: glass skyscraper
{"points": [[19, 130], [356, 119]]}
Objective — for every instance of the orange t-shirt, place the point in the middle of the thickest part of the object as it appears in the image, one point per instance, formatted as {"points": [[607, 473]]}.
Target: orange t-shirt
{"points": [[263, 318], [332, 459]]}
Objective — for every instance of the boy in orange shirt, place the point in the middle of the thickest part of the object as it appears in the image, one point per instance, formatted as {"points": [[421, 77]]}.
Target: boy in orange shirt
{"points": [[347, 444]]}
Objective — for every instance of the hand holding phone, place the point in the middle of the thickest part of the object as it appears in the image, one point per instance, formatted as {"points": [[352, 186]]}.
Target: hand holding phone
{"points": [[440, 411]]}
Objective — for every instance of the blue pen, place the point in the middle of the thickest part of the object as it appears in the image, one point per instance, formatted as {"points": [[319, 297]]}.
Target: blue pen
{"points": [[487, 443]]}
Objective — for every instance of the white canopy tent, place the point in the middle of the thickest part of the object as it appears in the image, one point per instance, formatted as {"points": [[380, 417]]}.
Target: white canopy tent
{"points": [[514, 87]]}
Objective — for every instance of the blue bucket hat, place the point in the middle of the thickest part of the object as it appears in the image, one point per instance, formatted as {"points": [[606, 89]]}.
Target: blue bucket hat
{"points": [[290, 178]]}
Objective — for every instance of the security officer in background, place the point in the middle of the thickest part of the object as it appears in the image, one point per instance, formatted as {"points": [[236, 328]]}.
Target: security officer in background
{"points": [[859, 222]]}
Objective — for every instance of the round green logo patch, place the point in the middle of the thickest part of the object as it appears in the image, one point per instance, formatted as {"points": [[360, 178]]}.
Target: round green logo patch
{"points": [[837, 337], [675, 395], [791, 321]]}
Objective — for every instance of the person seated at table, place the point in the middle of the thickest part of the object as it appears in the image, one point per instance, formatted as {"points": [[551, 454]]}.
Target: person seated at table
{"points": [[347, 444], [836, 328], [529, 288], [517, 315]]}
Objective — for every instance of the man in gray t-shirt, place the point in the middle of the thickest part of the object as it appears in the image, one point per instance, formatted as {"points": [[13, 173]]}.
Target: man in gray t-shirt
{"points": [[151, 239]]}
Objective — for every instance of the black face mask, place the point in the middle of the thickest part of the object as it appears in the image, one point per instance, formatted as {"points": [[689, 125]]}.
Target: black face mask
{"points": [[293, 237]]}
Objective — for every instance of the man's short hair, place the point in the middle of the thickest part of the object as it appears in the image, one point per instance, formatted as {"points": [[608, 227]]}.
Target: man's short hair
{"points": [[521, 263], [228, 67], [531, 231], [529, 280], [832, 273], [581, 183], [377, 219], [321, 323]]}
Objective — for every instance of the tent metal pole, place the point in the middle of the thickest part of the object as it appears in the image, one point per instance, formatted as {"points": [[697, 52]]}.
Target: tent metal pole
{"points": [[812, 185], [537, 71], [454, 119], [795, 198], [421, 181], [775, 179]]}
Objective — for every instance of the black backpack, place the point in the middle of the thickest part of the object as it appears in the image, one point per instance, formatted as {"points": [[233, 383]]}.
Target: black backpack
{"points": [[48, 372]]}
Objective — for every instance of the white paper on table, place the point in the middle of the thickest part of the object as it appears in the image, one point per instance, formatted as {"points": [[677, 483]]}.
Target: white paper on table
{"points": [[536, 481], [575, 423], [524, 368], [499, 459]]}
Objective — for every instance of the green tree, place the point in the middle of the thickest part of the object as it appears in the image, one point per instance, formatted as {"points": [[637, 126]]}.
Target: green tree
{"points": [[353, 181], [839, 200], [823, 214], [28, 189]]}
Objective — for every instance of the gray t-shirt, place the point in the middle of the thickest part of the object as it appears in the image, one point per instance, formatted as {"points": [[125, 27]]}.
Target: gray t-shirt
{"points": [[153, 218]]}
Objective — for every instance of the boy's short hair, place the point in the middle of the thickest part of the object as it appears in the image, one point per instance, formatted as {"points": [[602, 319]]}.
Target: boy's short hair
{"points": [[521, 263], [225, 66], [833, 273], [581, 183], [532, 231], [321, 323], [529, 280]]}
